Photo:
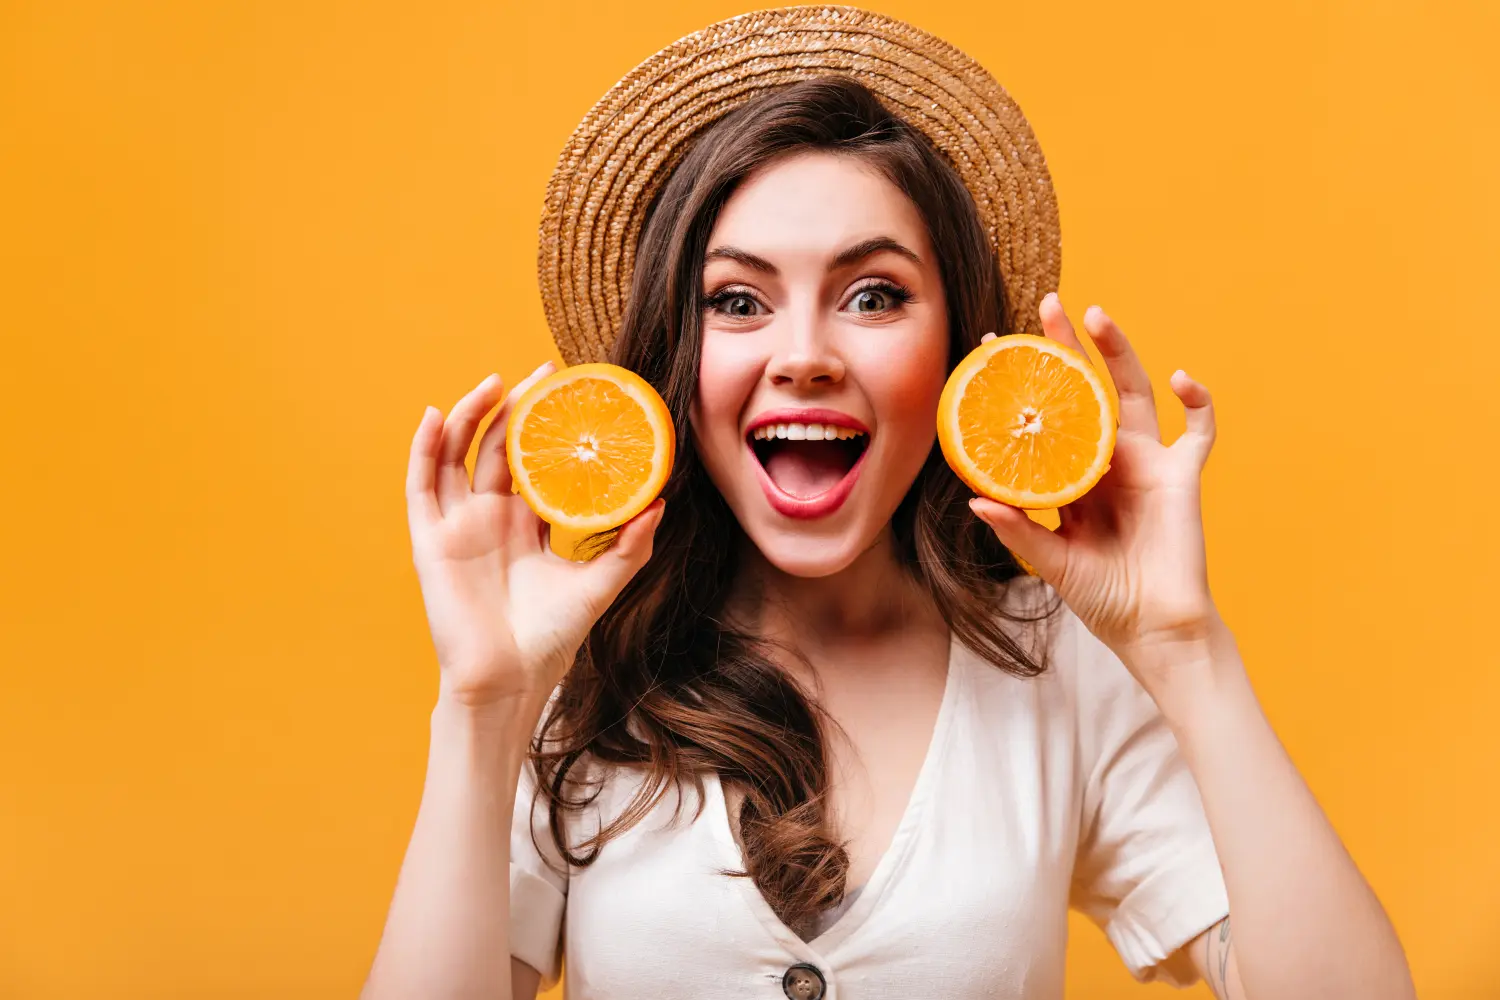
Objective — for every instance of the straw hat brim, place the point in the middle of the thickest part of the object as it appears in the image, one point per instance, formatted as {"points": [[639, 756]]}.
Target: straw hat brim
{"points": [[624, 149]]}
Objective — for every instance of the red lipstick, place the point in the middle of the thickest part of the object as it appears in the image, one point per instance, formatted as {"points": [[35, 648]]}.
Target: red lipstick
{"points": [[831, 499]]}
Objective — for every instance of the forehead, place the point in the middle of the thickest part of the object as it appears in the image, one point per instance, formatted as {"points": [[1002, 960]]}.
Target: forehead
{"points": [[818, 203]]}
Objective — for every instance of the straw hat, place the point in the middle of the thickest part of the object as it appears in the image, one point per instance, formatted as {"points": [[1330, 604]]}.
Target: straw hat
{"points": [[624, 149]]}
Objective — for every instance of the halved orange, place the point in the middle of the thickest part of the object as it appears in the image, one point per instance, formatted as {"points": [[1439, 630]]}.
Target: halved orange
{"points": [[1027, 421], [589, 448]]}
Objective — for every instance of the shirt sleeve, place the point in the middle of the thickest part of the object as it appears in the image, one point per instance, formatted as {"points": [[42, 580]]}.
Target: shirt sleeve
{"points": [[538, 889], [1146, 870]]}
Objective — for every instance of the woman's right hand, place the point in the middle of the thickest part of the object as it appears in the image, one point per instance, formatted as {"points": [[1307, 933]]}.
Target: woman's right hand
{"points": [[506, 614]]}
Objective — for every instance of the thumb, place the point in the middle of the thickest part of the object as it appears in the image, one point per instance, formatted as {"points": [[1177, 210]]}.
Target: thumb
{"points": [[1033, 543]]}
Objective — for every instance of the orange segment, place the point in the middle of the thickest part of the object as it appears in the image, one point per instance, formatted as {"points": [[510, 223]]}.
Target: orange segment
{"points": [[590, 447], [1027, 421]]}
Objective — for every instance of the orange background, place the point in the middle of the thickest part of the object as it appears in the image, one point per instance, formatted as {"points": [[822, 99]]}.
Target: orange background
{"points": [[244, 243]]}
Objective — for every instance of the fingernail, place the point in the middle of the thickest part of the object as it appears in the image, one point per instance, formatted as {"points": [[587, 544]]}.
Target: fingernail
{"points": [[489, 380], [540, 368]]}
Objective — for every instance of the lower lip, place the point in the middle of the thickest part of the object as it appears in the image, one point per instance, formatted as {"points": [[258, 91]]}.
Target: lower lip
{"points": [[822, 505]]}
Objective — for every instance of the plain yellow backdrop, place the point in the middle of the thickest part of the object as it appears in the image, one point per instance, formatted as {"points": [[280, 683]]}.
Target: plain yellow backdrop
{"points": [[245, 243]]}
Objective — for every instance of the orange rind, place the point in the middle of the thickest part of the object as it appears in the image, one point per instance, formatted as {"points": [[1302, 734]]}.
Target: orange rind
{"points": [[589, 448], [1027, 421]]}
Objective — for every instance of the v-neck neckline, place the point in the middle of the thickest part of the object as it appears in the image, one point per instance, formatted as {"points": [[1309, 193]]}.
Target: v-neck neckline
{"points": [[891, 861]]}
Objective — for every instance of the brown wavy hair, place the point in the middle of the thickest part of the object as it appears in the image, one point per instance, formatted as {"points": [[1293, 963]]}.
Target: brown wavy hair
{"points": [[664, 684]]}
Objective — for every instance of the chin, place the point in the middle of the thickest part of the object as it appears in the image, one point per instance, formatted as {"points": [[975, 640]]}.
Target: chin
{"points": [[800, 551]]}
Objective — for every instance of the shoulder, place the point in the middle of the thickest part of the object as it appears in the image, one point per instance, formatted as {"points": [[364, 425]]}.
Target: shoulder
{"points": [[1032, 611], [1021, 666], [1033, 614], [1083, 685], [588, 797]]}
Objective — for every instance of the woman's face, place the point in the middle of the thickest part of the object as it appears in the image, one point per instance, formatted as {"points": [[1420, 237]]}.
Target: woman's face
{"points": [[825, 348]]}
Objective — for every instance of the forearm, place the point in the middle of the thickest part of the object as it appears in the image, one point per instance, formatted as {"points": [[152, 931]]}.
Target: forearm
{"points": [[1306, 923], [447, 933]]}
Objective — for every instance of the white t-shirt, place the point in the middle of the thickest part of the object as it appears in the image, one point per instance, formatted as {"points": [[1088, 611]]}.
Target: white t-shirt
{"points": [[1036, 794]]}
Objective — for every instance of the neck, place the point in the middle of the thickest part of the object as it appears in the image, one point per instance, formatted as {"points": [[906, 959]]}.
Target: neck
{"points": [[872, 597]]}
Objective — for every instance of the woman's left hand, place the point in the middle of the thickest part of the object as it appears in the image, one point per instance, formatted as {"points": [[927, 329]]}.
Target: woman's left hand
{"points": [[1128, 555]]}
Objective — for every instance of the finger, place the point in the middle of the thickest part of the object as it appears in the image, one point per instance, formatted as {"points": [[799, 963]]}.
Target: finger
{"points": [[613, 569], [491, 471], [633, 544], [1202, 428], [1137, 402], [421, 469], [1070, 516], [1056, 325], [1044, 551], [1088, 512], [987, 338], [458, 434]]}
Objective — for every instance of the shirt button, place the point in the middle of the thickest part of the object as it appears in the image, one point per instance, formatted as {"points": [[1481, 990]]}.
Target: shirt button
{"points": [[804, 982]]}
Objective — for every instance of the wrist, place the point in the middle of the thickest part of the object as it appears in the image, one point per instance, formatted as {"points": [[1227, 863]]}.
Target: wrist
{"points": [[1187, 666], [1165, 649], [510, 720], [489, 691]]}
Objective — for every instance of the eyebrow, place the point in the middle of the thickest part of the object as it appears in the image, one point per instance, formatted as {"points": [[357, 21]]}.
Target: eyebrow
{"points": [[845, 257], [741, 257], [869, 248]]}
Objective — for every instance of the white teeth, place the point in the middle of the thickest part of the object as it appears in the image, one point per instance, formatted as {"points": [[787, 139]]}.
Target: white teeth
{"points": [[805, 432]]}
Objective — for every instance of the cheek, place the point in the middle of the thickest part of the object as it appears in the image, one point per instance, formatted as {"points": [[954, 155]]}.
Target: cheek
{"points": [[906, 381], [727, 375]]}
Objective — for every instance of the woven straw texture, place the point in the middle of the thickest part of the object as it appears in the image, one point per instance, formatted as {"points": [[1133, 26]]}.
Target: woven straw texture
{"points": [[625, 148]]}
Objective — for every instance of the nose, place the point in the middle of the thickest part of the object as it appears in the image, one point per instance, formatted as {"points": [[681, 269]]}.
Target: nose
{"points": [[805, 356]]}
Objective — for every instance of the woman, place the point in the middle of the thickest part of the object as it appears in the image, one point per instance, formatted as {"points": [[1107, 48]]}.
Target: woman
{"points": [[806, 729]]}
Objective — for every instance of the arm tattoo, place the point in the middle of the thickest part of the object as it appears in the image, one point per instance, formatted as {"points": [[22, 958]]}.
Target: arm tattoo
{"points": [[1216, 951]]}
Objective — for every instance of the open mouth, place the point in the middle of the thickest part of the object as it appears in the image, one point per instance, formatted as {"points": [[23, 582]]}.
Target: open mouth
{"points": [[808, 468]]}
